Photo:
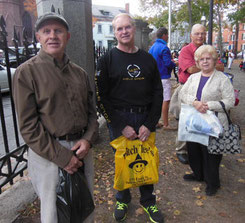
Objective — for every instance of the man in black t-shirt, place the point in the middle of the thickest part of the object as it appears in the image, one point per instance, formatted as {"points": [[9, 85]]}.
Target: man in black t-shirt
{"points": [[129, 95]]}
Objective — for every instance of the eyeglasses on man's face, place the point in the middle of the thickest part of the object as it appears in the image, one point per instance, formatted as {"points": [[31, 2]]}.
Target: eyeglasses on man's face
{"points": [[199, 34]]}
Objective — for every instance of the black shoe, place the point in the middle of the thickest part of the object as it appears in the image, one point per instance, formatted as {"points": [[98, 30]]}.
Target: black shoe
{"points": [[154, 214], [183, 158], [191, 177], [211, 191], [120, 212]]}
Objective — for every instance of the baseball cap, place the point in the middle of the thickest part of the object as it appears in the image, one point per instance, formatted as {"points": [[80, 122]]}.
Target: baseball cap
{"points": [[50, 16]]}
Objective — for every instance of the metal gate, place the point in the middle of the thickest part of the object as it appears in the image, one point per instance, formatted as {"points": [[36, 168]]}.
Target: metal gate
{"points": [[13, 162]]}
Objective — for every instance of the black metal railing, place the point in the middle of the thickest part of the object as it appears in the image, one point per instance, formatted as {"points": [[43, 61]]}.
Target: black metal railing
{"points": [[13, 161]]}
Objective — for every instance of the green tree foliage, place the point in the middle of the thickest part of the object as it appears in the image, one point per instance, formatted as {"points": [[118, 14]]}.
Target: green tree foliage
{"points": [[239, 15]]}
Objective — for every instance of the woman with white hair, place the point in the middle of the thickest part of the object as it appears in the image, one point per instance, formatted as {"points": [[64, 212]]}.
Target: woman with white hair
{"points": [[204, 90]]}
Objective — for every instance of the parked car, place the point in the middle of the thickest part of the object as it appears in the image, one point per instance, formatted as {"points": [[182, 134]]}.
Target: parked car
{"points": [[22, 55], [12, 57], [4, 78]]}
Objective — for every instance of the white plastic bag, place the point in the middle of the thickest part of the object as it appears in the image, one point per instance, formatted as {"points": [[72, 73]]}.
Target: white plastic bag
{"points": [[196, 127], [204, 123]]}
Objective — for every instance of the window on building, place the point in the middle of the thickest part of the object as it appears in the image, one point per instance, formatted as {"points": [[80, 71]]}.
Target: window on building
{"points": [[243, 36], [243, 46], [100, 43], [243, 26], [111, 29], [99, 28], [105, 13], [233, 37]]}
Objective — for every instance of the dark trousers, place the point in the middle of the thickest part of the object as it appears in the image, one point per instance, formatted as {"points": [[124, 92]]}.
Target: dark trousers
{"points": [[134, 120], [205, 166]]}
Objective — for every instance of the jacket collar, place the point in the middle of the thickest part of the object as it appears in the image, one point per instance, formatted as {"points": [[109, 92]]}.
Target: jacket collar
{"points": [[49, 59], [161, 41]]}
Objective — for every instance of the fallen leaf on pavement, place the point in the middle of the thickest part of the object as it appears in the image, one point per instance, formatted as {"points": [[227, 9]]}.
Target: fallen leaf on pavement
{"points": [[222, 165], [96, 192], [223, 214], [139, 211], [158, 192], [199, 203], [235, 192], [110, 202], [201, 197], [196, 189], [241, 181], [241, 160], [162, 172], [176, 212]]}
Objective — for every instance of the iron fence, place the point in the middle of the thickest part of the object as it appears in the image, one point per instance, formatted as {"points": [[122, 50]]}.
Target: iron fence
{"points": [[13, 162]]}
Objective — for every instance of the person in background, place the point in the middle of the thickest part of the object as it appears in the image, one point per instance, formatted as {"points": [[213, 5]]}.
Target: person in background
{"points": [[56, 114], [226, 55], [187, 67], [241, 65], [129, 95], [162, 55], [204, 90], [231, 57], [175, 69]]}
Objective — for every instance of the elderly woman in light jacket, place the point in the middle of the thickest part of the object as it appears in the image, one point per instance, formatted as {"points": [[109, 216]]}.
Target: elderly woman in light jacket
{"points": [[204, 90]]}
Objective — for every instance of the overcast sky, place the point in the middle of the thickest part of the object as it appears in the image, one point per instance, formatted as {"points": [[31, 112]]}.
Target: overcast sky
{"points": [[133, 4]]}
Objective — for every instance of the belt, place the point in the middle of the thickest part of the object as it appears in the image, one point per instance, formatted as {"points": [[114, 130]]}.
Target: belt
{"points": [[71, 137], [138, 110]]}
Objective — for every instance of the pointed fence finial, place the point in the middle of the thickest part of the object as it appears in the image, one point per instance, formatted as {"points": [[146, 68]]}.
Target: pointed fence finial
{"points": [[52, 8], [15, 35], [2, 24]]}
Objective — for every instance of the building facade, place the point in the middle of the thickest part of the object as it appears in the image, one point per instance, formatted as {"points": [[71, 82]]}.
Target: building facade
{"points": [[15, 15], [102, 24], [228, 37]]}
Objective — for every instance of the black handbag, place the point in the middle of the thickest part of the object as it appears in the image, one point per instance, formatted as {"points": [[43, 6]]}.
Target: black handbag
{"points": [[229, 142]]}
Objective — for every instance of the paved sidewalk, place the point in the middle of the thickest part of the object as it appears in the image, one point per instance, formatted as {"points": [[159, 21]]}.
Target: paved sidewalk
{"points": [[179, 201]]}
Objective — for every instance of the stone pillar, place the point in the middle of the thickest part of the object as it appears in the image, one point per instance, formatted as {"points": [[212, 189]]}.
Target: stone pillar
{"points": [[78, 14], [44, 6], [145, 38], [142, 34]]}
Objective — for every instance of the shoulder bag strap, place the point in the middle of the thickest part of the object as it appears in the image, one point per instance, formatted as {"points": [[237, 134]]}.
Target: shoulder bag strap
{"points": [[228, 117]]}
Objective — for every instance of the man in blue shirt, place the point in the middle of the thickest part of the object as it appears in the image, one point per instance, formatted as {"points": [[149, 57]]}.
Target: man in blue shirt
{"points": [[162, 55]]}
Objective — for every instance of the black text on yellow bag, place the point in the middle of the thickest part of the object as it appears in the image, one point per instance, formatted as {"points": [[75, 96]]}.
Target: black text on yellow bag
{"points": [[136, 162]]}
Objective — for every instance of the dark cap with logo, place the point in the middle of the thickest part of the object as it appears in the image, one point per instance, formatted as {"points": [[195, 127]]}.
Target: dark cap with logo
{"points": [[50, 16]]}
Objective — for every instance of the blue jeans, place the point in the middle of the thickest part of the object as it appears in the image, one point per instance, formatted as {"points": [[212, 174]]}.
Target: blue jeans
{"points": [[134, 120]]}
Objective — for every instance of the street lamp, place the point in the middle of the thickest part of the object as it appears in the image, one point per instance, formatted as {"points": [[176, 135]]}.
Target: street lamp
{"points": [[203, 20]]}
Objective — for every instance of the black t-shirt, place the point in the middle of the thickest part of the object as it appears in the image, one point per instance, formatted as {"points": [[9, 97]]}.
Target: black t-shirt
{"points": [[128, 80]]}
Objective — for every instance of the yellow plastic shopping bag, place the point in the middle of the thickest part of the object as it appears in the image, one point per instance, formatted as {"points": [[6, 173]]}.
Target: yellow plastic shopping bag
{"points": [[136, 162]]}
